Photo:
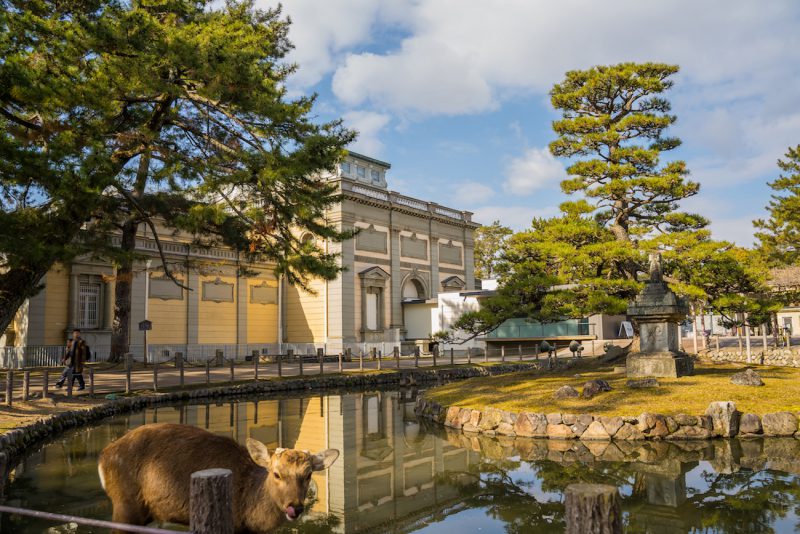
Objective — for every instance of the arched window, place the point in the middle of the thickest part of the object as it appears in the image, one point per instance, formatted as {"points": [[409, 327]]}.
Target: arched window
{"points": [[413, 290]]}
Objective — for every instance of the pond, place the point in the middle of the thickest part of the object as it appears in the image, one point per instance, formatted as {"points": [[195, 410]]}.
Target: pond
{"points": [[396, 474]]}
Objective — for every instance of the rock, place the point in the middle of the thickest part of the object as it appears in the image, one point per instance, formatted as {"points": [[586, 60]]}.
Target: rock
{"points": [[750, 423], [565, 392], [490, 419], [672, 425], [779, 424], [452, 419], [593, 387], [748, 377], [620, 370], [569, 419], [505, 429], [611, 424], [725, 418], [554, 418], [464, 416], [690, 432], [642, 383], [596, 431], [474, 418], [560, 431], [581, 423], [628, 432], [531, 425], [685, 420]]}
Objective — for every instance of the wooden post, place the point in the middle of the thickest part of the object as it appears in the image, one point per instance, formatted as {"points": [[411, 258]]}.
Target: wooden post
{"points": [[435, 353], [45, 384], [26, 385], [300, 363], [452, 356], [416, 356], [341, 365], [3, 469], [128, 366], [256, 358], [211, 502], [503, 353], [289, 354], [380, 365], [208, 372], [179, 364], [233, 373], [746, 327], [763, 337], [9, 388], [469, 355], [91, 383], [592, 508], [155, 374], [220, 355], [397, 356], [519, 352], [361, 360], [321, 356]]}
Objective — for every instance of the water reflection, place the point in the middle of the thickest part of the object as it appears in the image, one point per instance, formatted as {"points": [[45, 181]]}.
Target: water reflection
{"points": [[396, 474]]}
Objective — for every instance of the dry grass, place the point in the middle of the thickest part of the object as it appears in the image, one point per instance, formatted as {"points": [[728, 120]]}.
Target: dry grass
{"points": [[533, 392], [23, 413]]}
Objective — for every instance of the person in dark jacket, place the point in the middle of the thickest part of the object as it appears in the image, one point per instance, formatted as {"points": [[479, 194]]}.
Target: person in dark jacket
{"points": [[74, 358]]}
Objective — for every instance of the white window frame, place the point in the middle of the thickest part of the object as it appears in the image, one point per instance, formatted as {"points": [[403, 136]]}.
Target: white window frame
{"points": [[345, 167], [89, 305], [361, 171]]}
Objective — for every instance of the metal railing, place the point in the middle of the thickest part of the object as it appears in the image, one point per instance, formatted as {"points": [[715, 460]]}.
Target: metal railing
{"points": [[210, 508]]}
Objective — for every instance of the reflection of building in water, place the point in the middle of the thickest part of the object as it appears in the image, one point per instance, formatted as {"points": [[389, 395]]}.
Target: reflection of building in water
{"points": [[386, 474]]}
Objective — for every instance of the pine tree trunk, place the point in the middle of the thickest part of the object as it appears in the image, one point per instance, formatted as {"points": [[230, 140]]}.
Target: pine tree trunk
{"points": [[120, 328]]}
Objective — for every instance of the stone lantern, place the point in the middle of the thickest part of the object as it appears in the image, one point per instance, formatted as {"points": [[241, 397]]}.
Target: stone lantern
{"points": [[658, 312]]}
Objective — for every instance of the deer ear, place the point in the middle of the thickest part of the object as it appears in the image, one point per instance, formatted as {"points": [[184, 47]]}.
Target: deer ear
{"points": [[258, 452], [323, 460]]}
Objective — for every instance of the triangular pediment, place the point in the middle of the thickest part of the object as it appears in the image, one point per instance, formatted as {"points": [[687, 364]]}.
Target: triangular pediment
{"points": [[454, 283], [374, 273]]}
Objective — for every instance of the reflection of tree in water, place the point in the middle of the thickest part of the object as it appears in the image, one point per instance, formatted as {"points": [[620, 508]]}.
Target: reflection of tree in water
{"points": [[744, 501]]}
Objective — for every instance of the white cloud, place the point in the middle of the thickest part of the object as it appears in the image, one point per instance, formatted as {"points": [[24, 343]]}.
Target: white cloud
{"points": [[468, 194], [369, 125], [426, 75], [535, 169]]}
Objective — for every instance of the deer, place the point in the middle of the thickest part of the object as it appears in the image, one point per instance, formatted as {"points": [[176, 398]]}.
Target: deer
{"points": [[146, 474]]}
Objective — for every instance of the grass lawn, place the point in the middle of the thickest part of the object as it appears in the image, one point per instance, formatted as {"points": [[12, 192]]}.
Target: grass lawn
{"points": [[533, 392]]}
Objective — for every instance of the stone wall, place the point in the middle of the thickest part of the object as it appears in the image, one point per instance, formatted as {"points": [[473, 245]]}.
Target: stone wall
{"points": [[14, 443], [779, 357], [721, 419]]}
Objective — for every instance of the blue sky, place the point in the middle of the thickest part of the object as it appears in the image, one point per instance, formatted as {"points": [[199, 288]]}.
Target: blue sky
{"points": [[453, 93]]}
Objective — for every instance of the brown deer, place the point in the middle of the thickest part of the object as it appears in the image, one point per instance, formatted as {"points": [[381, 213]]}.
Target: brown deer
{"points": [[146, 474]]}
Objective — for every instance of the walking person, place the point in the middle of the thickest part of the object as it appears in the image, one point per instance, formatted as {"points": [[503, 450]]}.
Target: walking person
{"points": [[74, 358]]}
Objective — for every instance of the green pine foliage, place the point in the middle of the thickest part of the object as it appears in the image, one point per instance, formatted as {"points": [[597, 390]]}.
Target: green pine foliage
{"points": [[172, 114], [779, 235]]}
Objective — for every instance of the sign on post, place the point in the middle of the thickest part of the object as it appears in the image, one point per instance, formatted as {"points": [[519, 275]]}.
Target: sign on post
{"points": [[627, 327], [145, 325]]}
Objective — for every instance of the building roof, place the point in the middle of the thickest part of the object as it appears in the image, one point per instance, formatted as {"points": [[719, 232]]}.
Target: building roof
{"points": [[369, 159]]}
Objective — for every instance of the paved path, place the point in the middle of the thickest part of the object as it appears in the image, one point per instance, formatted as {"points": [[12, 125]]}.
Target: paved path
{"points": [[112, 380]]}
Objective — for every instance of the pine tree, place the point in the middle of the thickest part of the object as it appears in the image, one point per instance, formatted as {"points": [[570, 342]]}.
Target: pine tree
{"points": [[589, 259], [488, 243], [779, 236], [178, 117]]}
